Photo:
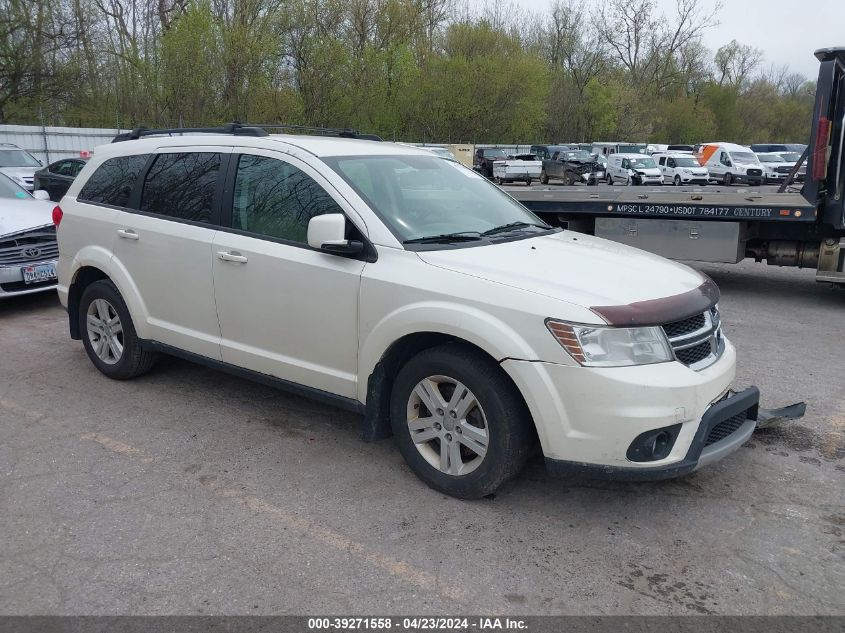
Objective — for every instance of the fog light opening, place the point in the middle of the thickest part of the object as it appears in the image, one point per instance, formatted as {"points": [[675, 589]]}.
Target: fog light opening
{"points": [[653, 445]]}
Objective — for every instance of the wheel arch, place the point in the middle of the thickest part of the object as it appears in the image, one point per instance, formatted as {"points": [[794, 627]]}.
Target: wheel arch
{"points": [[95, 266], [375, 424]]}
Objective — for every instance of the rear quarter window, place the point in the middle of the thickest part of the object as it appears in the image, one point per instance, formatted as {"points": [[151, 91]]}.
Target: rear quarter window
{"points": [[113, 181]]}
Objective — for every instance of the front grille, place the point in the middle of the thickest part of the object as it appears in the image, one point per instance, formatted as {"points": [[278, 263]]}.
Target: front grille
{"points": [[685, 326], [755, 172], [726, 428], [784, 170], [697, 340], [27, 247], [694, 354], [17, 286]]}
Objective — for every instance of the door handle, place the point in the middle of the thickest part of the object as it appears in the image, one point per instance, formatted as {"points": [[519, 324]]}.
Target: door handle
{"points": [[232, 256], [128, 234]]}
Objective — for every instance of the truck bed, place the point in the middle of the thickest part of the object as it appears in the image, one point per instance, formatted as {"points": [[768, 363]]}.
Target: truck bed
{"points": [[667, 203]]}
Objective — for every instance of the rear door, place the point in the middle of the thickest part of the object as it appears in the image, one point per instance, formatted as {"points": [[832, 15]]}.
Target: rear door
{"points": [[165, 245], [285, 309]]}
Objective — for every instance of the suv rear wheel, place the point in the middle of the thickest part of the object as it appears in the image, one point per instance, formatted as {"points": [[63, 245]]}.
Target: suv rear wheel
{"points": [[459, 421], [109, 336]]}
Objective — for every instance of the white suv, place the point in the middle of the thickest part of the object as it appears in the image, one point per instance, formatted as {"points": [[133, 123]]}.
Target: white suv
{"points": [[407, 288]]}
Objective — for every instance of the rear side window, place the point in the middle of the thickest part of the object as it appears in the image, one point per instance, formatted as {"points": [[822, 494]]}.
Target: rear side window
{"points": [[276, 199], [182, 186], [112, 182]]}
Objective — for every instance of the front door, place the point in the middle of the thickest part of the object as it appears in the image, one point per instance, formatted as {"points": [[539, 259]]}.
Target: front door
{"points": [[284, 309]]}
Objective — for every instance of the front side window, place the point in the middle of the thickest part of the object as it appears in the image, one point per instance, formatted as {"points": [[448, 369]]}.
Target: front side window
{"points": [[73, 168], [56, 168], [669, 163], [276, 199], [112, 182], [420, 197], [182, 186], [686, 162]]}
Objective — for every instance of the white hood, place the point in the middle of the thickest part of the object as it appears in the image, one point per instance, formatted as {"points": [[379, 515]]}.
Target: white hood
{"points": [[21, 214], [572, 267]]}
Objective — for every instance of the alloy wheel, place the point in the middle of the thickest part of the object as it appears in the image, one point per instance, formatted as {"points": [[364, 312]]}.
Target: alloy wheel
{"points": [[447, 425], [105, 331]]}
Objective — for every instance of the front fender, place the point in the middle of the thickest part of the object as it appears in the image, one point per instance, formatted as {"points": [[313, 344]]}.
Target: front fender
{"points": [[473, 325]]}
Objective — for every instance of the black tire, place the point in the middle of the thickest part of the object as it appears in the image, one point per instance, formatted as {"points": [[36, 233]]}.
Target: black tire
{"points": [[544, 177], [677, 181], [567, 178], [134, 360], [511, 434], [527, 182], [609, 179], [728, 179], [498, 181]]}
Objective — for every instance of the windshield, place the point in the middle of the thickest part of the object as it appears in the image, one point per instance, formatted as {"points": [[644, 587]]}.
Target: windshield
{"points": [[17, 158], [643, 163], [745, 157], [686, 161], [579, 155], [770, 158], [600, 159], [790, 157], [10, 189], [419, 197], [495, 153]]}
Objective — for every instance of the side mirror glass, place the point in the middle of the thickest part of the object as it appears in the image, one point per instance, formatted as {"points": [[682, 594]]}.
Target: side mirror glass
{"points": [[40, 194], [328, 233]]}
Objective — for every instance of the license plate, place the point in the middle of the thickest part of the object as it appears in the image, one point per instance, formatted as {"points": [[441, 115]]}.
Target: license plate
{"points": [[35, 274]]}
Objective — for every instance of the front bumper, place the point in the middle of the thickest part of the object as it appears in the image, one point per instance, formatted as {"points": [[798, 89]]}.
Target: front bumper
{"points": [[12, 283], [593, 415], [725, 426]]}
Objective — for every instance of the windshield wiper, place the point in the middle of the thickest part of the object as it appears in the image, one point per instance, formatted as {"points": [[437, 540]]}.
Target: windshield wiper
{"points": [[446, 238], [514, 225]]}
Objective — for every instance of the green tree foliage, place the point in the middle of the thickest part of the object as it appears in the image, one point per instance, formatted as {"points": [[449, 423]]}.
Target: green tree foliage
{"points": [[416, 70]]}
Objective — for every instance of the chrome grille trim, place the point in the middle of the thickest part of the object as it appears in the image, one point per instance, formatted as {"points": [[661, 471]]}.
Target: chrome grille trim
{"points": [[42, 239], [700, 348]]}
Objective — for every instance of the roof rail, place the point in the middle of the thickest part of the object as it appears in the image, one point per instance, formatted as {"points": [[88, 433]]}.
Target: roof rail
{"points": [[244, 129], [236, 128], [325, 131]]}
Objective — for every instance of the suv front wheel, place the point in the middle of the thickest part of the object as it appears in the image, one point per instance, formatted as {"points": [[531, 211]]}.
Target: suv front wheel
{"points": [[108, 334], [459, 421]]}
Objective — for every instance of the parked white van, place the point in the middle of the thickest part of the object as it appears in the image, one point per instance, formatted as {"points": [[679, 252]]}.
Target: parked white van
{"points": [[729, 163], [682, 169], [633, 169]]}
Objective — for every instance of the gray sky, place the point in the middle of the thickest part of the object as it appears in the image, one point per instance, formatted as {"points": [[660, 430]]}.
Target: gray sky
{"points": [[785, 30]]}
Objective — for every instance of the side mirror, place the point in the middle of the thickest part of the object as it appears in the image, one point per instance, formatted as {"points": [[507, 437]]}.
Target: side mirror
{"points": [[40, 194], [328, 233]]}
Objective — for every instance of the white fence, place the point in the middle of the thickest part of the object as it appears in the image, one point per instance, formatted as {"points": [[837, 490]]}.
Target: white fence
{"points": [[50, 144]]}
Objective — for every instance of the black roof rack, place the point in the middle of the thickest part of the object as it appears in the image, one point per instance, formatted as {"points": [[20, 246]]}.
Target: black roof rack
{"points": [[244, 129]]}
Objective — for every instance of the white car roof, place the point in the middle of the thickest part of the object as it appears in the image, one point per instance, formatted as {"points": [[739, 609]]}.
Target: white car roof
{"points": [[321, 146], [632, 155]]}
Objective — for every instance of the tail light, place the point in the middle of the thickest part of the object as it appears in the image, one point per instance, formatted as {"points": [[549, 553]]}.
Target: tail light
{"points": [[820, 147], [57, 216]]}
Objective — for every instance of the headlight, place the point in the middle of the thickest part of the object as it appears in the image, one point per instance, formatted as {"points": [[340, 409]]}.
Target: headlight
{"points": [[599, 346]]}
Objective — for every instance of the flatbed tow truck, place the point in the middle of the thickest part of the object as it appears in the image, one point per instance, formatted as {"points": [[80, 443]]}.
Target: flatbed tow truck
{"points": [[805, 229]]}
